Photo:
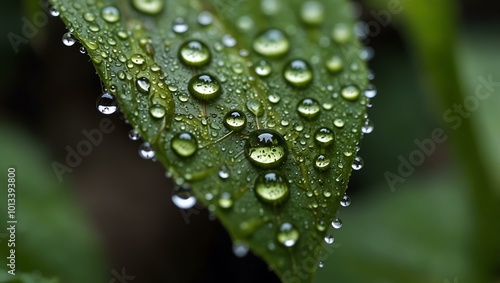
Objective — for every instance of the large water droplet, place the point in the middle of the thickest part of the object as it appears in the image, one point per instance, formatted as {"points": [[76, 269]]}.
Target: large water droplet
{"points": [[322, 162], [183, 197], [324, 137], [272, 188], [146, 150], [312, 13], [194, 53], [106, 103], [345, 201], [204, 87], [143, 85], [350, 92], [308, 108], [54, 12], [235, 120], [151, 7], [68, 39], [337, 223], [110, 14], [157, 111], [184, 144], [266, 148], [329, 239], [287, 235], [298, 73], [358, 163], [367, 127], [271, 43], [263, 68]]}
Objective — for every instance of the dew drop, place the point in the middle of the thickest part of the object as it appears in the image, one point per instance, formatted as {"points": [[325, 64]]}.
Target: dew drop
{"points": [[225, 200], [321, 264], [204, 87], [350, 92], [194, 53], [324, 137], [341, 33], [240, 249], [298, 73], [68, 39], [345, 201], [143, 85], [54, 12], [110, 14], [183, 197], [134, 134], [146, 150], [228, 40], [370, 91], [322, 162], [106, 103], [157, 111], [266, 148], [308, 108], [184, 144], [235, 120], [287, 235], [358, 163], [83, 50], [150, 7], [223, 173], [271, 43], [180, 26], [329, 239], [255, 107], [367, 127], [334, 64], [312, 13], [272, 188], [337, 223], [263, 68], [205, 18]]}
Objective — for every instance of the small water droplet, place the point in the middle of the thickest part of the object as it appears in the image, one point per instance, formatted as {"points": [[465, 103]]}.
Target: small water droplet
{"points": [[329, 239], [54, 12], [312, 13], [309, 108], [345, 201], [134, 134], [228, 40], [194, 53], [151, 7], [322, 162], [235, 120], [337, 223], [324, 137], [321, 264], [68, 39], [272, 188], [358, 163], [287, 235], [110, 14], [180, 26], [223, 173], [339, 123], [184, 144], [341, 33], [255, 107], [205, 18], [240, 249], [298, 73], [263, 68], [225, 200], [204, 87], [183, 197], [266, 148], [370, 91], [334, 64], [143, 85], [83, 50], [146, 150], [350, 92], [271, 43], [106, 103], [367, 127], [157, 111]]}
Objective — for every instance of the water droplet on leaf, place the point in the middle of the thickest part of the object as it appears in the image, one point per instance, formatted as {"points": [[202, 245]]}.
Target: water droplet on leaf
{"points": [[337, 223], [345, 201], [183, 197], [106, 103], [358, 163], [150, 7], [235, 120], [324, 137], [146, 150], [266, 148], [68, 39], [271, 43], [184, 144], [287, 235], [298, 73], [134, 134], [350, 92], [272, 188], [143, 85], [110, 14], [329, 239], [204, 87], [308, 108], [194, 53], [322, 162]]}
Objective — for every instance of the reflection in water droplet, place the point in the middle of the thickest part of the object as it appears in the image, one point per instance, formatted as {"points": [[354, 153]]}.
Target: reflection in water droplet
{"points": [[329, 239], [83, 50], [339, 123], [308, 108], [204, 87], [183, 197], [322, 162], [223, 173], [298, 73], [143, 85], [324, 137], [184, 144], [157, 111], [271, 43], [367, 127], [106, 103], [110, 14], [266, 148], [134, 134], [350, 92], [287, 235], [262, 68], [151, 7], [370, 91], [235, 120], [345, 201], [180, 26], [54, 12], [68, 39], [137, 59], [146, 150], [358, 163], [194, 53], [272, 188], [337, 223]]}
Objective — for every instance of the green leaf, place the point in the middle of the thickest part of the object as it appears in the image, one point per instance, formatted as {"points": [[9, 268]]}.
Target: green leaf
{"points": [[218, 88]]}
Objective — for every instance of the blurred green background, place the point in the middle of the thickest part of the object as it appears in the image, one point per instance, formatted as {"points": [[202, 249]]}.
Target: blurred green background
{"points": [[111, 218]]}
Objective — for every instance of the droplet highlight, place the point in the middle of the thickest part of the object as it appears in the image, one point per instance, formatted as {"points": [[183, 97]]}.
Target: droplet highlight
{"points": [[298, 73], [184, 144], [266, 148], [309, 108], [194, 53], [271, 43], [271, 188], [204, 87], [235, 120]]}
